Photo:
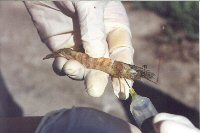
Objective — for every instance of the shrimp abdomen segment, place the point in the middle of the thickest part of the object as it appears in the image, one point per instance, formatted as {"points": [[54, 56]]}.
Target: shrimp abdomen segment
{"points": [[113, 68]]}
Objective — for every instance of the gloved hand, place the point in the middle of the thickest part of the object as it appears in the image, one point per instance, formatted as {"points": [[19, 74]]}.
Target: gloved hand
{"points": [[102, 29], [170, 123]]}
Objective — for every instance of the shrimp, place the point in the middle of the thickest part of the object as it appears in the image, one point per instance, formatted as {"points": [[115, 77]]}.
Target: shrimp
{"points": [[115, 69]]}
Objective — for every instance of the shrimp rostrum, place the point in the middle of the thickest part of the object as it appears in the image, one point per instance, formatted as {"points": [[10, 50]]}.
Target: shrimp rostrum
{"points": [[115, 69]]}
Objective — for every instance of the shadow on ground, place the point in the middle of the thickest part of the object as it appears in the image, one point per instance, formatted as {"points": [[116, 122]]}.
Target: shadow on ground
{"points": [[162, 102], [8, 107]]}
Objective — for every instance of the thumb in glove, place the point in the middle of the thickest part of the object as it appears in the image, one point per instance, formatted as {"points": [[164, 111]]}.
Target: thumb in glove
{"points": [[170, 123]]}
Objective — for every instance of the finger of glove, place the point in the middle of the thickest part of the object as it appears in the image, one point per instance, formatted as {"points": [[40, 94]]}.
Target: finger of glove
{"points": [[115, 17], [120, 48], [58, 64], [71, 68], [122, 87], [123, 54], [171, 117], [92, 27], [119, 37], [169, 126], [57, 42], [74, 69], [52, 25], [95, 82]]}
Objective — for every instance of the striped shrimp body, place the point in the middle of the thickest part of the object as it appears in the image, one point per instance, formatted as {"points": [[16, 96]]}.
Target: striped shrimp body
{"points": [[115, 69]]}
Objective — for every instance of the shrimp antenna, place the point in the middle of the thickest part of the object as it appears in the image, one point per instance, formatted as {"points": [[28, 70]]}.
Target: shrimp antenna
{"points": [[158, 69], [127, 83]]}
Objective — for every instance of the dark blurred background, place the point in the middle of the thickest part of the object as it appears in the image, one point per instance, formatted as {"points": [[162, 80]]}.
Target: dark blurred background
{"points": [[165, 37]]}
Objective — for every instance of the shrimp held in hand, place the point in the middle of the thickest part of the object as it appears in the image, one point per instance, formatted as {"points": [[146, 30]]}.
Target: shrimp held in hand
{"points": [[115, 69]]}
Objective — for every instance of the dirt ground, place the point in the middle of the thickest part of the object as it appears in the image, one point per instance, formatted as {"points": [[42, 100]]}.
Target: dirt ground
{"points": [[36, 88]]}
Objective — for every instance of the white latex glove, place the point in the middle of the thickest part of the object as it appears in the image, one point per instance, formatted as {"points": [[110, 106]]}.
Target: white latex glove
{"points": [[104, 32], [170, 123]]}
